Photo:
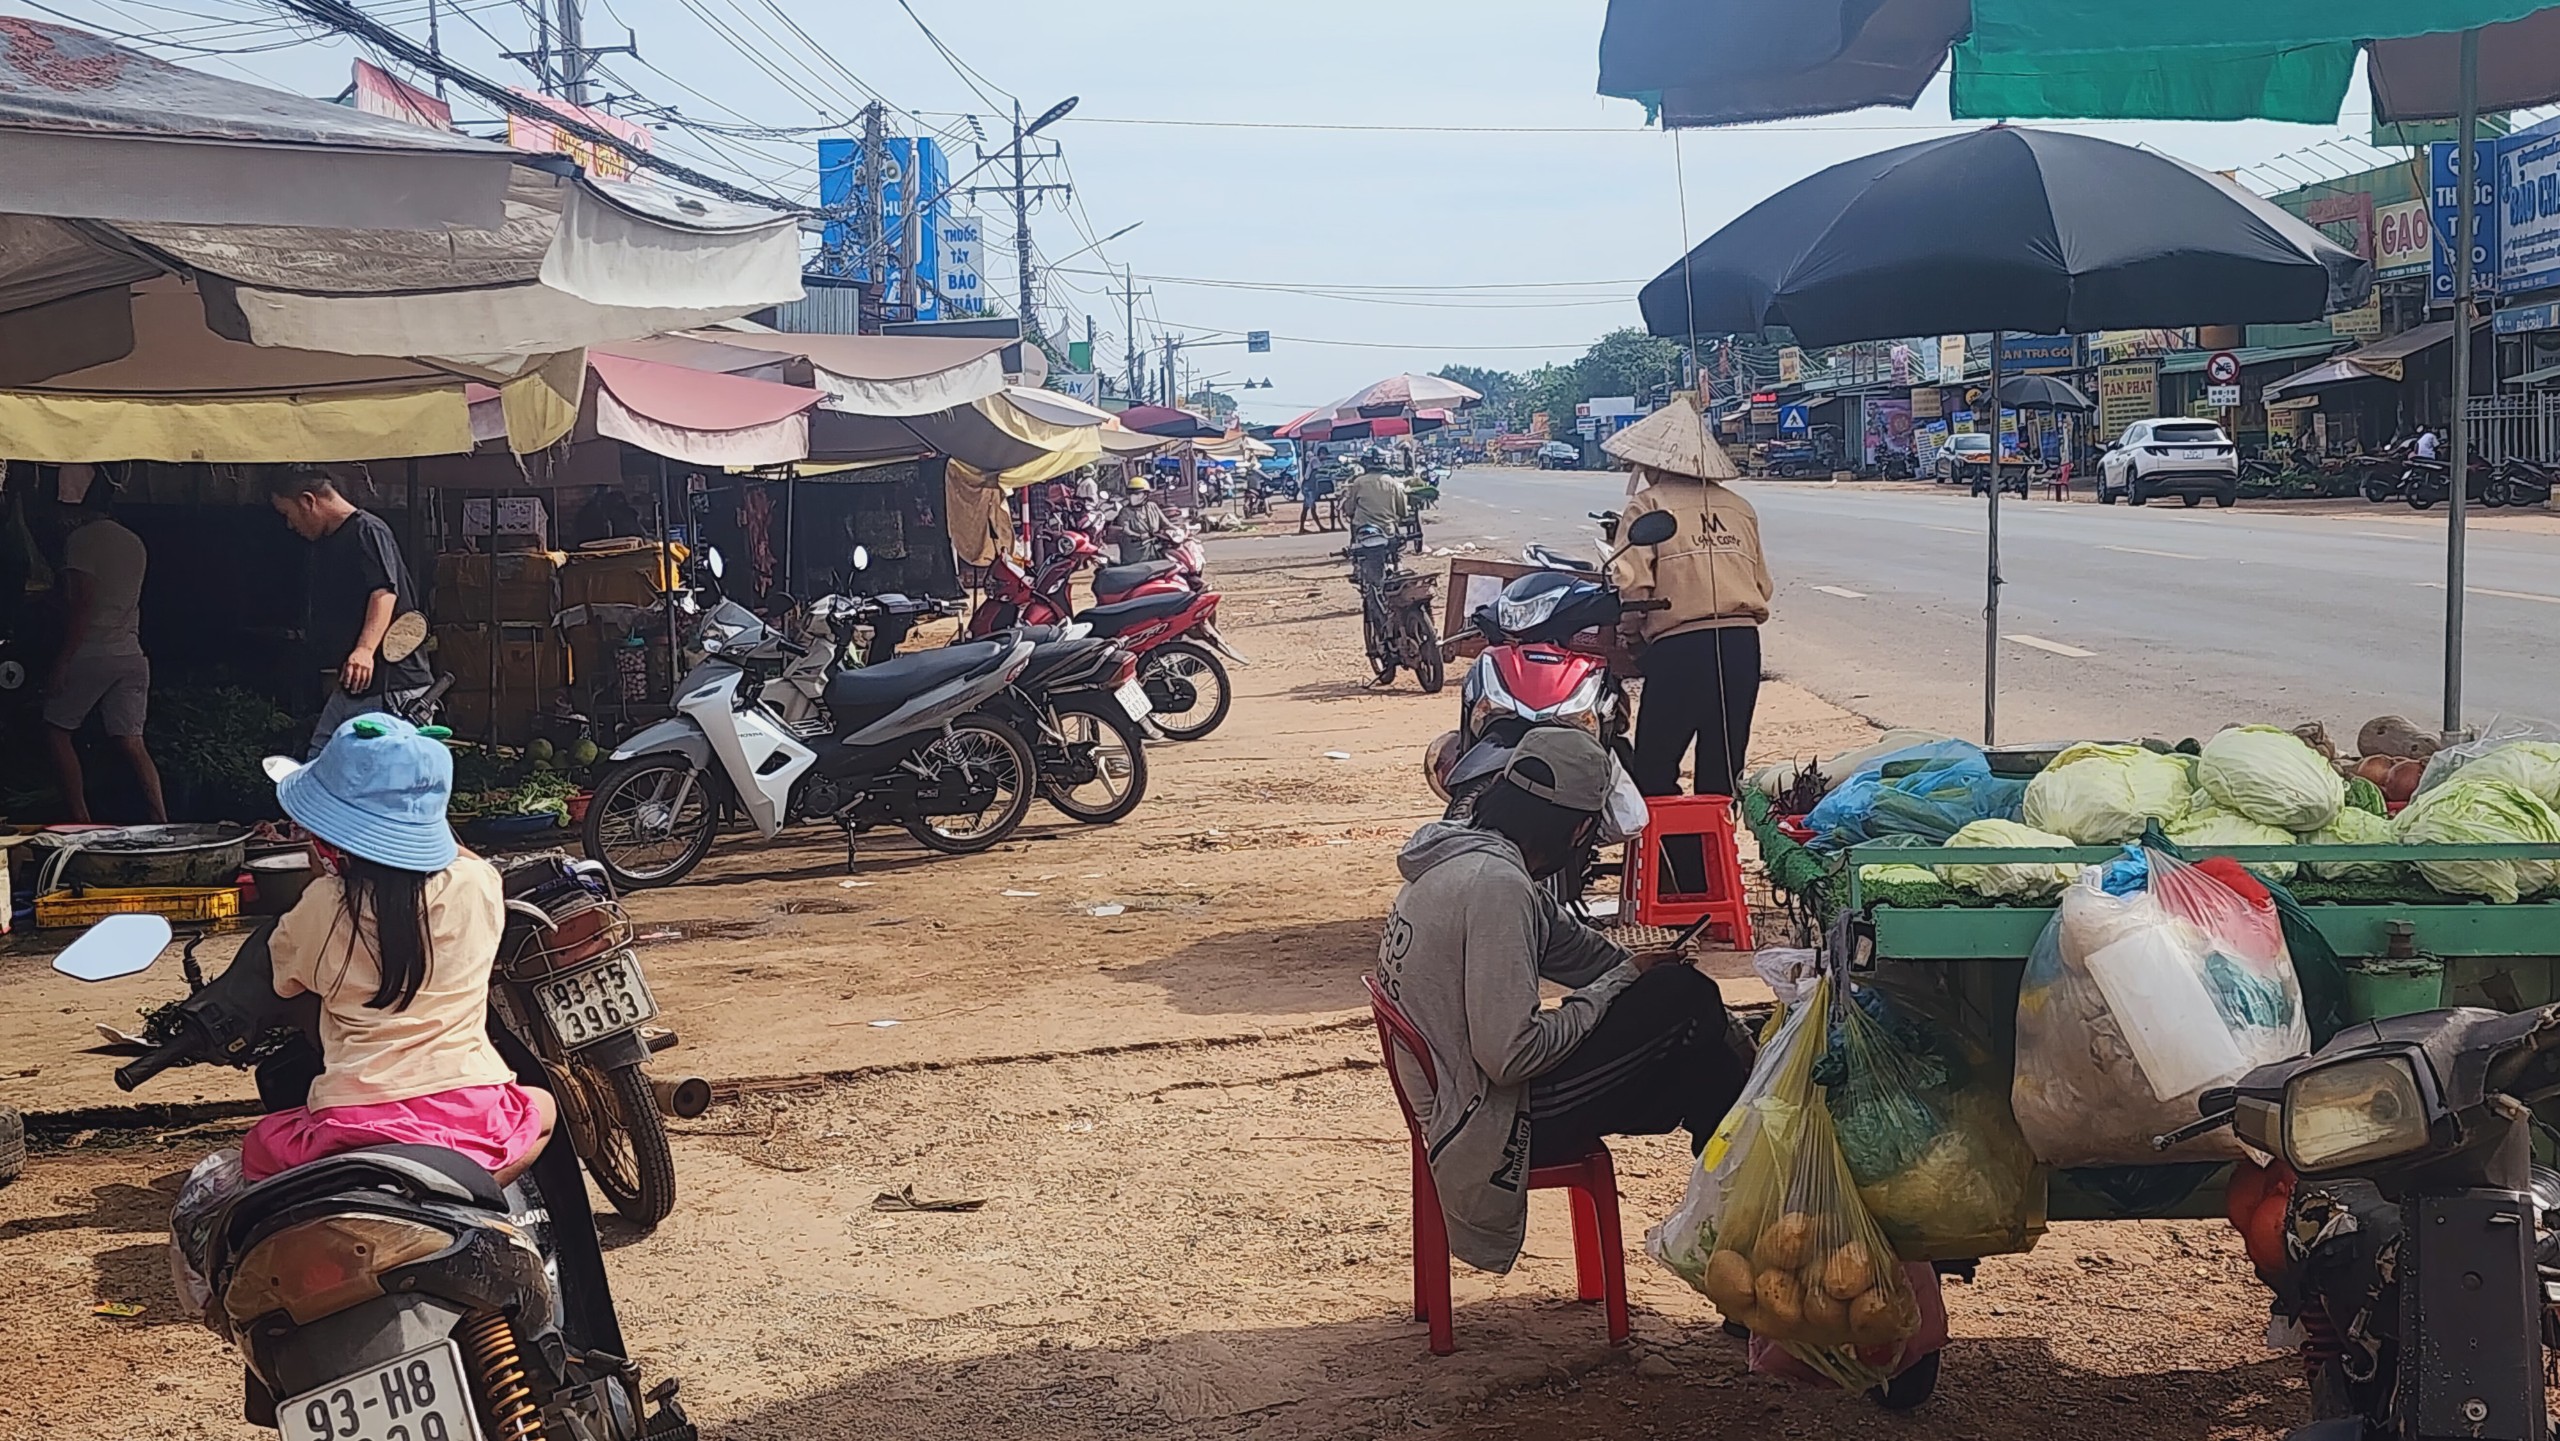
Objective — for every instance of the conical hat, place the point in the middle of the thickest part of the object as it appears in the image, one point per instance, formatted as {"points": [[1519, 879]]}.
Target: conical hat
{"points": [[1673, 439]]}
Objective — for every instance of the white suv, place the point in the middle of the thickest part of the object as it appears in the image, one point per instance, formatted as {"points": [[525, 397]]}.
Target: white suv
{"points": [[2190, 459]]}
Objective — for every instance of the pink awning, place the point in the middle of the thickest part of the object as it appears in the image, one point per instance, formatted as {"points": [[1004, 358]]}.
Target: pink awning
{"points": [[700, 416]]}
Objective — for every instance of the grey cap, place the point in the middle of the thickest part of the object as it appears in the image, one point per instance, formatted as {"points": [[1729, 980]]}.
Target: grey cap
{"points": [[1562, 765]]}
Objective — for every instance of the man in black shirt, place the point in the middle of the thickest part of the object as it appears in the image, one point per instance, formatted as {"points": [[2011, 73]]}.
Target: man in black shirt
{"points": [[358, 584]]}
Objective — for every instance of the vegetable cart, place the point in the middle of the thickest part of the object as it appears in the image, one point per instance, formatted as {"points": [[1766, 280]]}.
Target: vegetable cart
{"points": [[2499, 956]]}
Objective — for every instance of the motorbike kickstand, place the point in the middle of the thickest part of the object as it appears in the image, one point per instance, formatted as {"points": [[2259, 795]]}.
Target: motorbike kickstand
{"points": [[848, 846]]}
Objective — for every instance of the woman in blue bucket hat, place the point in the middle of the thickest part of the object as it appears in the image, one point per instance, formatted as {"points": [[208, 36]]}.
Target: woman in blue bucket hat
{"points": [[397, 938]]}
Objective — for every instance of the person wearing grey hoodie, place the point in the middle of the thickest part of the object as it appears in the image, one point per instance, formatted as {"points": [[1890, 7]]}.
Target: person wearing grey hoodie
{"points": [[1641, 1044]]}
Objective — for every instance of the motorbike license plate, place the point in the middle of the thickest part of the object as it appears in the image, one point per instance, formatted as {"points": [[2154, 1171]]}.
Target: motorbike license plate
{"points": [[597, 1001], [417, 1397], [1133, 700]]}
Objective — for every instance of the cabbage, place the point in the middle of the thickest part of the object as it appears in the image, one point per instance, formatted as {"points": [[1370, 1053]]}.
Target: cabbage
{"points": [[2218, 827], [2272, 777], [2352, 828], [1896, 875], [2529, 765], [2099, 795], [2011, 882], [2469, 809]]}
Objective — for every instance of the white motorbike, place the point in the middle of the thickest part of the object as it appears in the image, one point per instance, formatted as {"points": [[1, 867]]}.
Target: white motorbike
{"points": [[904, 743]]}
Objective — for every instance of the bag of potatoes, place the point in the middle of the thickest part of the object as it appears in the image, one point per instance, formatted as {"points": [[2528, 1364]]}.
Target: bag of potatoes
{"points": [[1795, 1256]]}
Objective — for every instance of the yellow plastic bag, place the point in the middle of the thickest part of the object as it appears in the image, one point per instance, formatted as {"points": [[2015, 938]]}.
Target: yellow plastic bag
{"points": [[1795, 1256]]}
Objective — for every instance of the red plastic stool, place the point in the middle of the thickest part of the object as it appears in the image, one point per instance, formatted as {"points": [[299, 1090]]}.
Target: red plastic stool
{"points": [[1599, 1249], [1710, 819]]}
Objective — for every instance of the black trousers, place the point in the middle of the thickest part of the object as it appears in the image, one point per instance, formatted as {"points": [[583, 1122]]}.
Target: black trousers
{"points": [[1700, 690], [1666, 1056]]}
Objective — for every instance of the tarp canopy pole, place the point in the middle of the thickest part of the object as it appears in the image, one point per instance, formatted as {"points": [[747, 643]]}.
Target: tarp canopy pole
{"points": [[1991, 602], [2466, 215]]}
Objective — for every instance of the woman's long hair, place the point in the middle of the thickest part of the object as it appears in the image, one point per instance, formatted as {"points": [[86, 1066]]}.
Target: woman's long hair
{"points": [[397, 901]]}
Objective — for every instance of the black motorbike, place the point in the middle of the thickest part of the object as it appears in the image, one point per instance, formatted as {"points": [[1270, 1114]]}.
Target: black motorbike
{"points": [[2421, 1232], [1082, 707], [1395, 610], [2520, 482], [391, 1293], [2427, 482]]}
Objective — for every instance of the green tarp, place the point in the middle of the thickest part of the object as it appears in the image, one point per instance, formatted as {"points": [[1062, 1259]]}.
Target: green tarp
{"points": [[2186, 59]]}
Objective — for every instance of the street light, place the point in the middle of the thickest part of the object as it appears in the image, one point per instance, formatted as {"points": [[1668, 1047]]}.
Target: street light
{"points": [[1050, 116], [1097, 245]]}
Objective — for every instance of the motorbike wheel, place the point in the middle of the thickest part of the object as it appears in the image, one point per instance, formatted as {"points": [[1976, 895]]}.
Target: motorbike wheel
{"points": [[612, 1118], [1380, 641], [1118, 753], [644, 828], [2421, 500], [2375, 490], [1430, 669], [1196, 668], [977, 742]]}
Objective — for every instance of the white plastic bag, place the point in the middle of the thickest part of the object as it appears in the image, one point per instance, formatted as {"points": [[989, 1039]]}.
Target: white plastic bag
{"points": [[2136, 1004]]}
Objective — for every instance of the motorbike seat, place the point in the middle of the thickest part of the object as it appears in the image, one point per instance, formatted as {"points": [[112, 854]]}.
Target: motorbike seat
{"points": [[421, 1173], [1116, 579], [1122, 616], [875, 690]]}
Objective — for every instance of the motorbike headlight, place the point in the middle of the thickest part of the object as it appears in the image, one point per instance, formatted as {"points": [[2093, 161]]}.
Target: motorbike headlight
{"points": [[2354, 1112]]}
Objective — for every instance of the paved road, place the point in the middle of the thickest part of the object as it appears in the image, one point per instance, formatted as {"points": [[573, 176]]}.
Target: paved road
{"points": [[2116, 621]]}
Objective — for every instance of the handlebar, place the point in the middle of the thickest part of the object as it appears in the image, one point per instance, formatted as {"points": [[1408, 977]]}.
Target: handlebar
{"points": [[789, 646], [1644, 605], [133, 1073]]}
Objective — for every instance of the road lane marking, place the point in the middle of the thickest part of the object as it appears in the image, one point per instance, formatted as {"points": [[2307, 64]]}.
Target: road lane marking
{"points": [[2501, 594], [2163, 554], [1842, 591], [1952, 529], [2386, 535], [2057, 647]]}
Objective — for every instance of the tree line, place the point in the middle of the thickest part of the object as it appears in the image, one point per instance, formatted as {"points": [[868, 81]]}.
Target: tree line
{"points": [[1622, 362]]}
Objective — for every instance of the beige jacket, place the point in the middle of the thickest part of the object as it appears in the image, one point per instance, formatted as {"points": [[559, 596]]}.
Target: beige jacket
{"points": [[1712, 571]]}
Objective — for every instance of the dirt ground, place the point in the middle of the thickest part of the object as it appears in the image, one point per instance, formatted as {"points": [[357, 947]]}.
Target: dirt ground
{"points": [[1197, 1217]]}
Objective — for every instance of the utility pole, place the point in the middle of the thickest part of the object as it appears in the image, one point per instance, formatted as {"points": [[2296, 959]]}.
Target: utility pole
{"points": [[435, 42], [866, 198], [1023, 192], [1129, 298], [558, 69], [573, 53]]}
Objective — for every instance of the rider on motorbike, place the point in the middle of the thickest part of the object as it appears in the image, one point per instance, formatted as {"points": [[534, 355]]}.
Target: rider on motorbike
{"points": [[1376, 498], [1141, 524]]}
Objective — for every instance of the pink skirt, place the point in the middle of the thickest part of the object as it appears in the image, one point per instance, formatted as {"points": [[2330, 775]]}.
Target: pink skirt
{"points": [[495, 1126]]}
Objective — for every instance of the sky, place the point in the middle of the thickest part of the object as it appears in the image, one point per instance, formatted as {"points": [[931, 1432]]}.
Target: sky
{"points": [[1382, 186]]}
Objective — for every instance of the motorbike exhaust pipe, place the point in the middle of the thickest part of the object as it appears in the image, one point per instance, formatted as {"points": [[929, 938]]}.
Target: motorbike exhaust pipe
{"points": [[683, 1099]]}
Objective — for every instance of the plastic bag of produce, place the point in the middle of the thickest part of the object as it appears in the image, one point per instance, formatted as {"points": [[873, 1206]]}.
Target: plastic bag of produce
{"points": [[1794, 1254], [2021, 882], [2530, 765], [2214, 826], [1929, 791], [2352, 827], [2155, 981], [2484, 809], [1924, 1123], [2102, 794], [2497, 733], [2270, 776]]}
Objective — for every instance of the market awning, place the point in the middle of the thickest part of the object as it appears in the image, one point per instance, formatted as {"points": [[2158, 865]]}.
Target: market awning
{"points": [[96, 131], [887, 375], [2189, 361], [2544, 376], [700, 417], [2382, 360], [756, 363], [1055, 408], [998, 441]]}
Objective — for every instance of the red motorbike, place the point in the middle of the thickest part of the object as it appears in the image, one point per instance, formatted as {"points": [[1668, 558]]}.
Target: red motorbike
{"points": [[1159, 609]]}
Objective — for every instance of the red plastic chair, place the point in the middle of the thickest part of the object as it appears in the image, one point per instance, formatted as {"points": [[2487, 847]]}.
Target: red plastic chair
{"points": [[1710, 819], [1599, 1250]]}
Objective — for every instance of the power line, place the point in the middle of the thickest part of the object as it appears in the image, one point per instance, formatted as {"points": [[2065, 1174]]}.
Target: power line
{"points": [[968, 76]]}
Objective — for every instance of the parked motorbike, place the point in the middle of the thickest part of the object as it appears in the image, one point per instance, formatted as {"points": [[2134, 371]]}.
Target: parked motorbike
{"points": [[2422, 1234], [909, 744], [1085, 711], [2385, 475], [2520, 482], [1546, 662], [391, 1292], [2427, 482], [569, 984], [1155, 608], [1395, 610]]}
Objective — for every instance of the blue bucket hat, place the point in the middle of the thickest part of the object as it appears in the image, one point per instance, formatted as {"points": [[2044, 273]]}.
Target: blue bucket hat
{"points": [[379, 789]]}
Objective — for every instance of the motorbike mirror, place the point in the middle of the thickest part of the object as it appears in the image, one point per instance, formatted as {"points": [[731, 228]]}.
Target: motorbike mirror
{"points": [[116, 946], [861, 558], [1653, 528], [712, 562]]}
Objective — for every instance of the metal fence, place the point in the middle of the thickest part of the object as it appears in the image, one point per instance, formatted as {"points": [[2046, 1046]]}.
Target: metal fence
{"points": [[2526, 426]]}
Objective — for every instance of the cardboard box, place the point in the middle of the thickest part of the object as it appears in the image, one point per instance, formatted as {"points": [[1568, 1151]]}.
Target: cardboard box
{"points": [[519, 587], [518, 515], [531, 660], [471, 717], [636, 576]]}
